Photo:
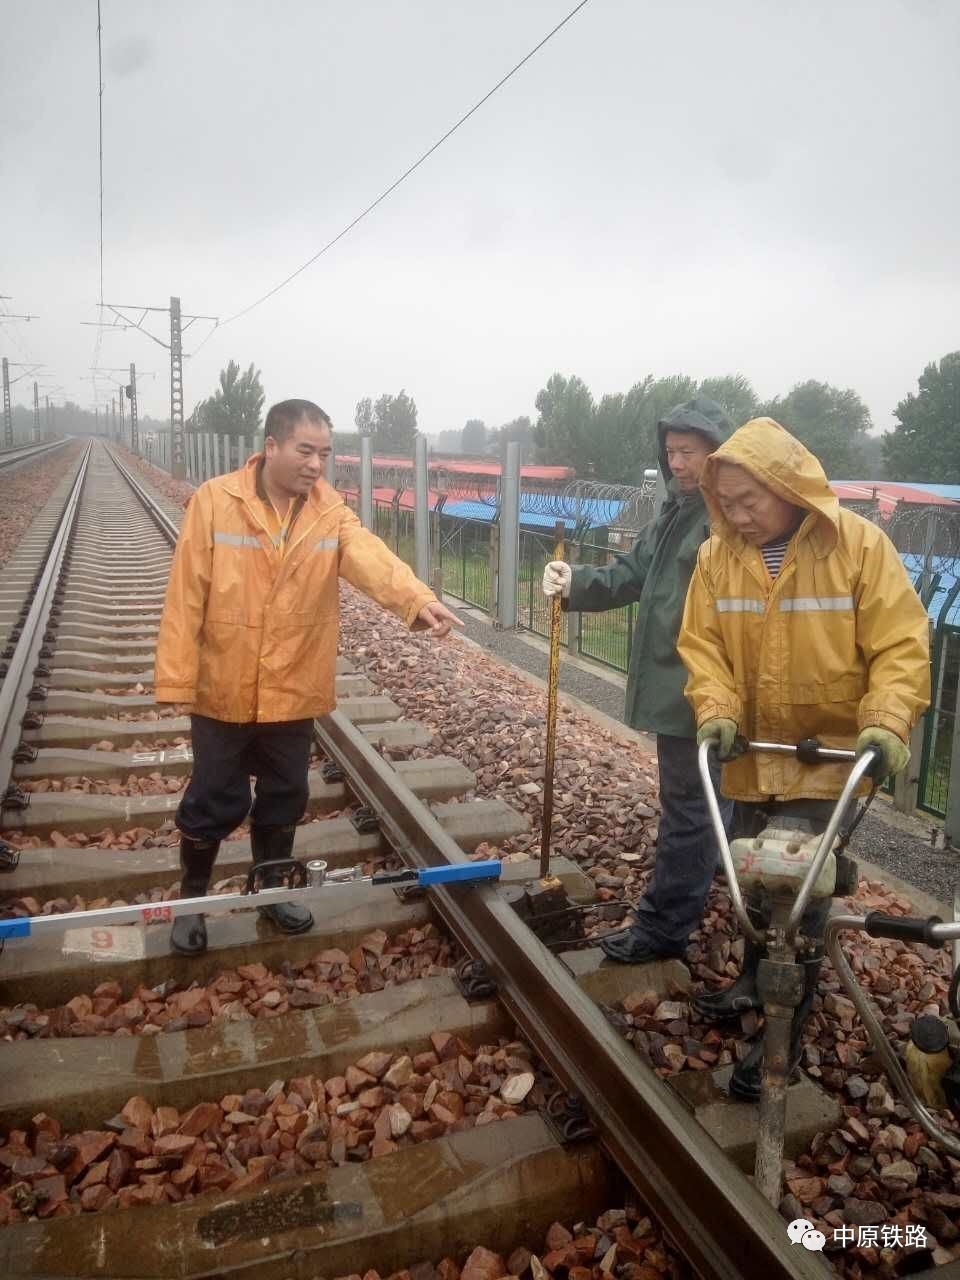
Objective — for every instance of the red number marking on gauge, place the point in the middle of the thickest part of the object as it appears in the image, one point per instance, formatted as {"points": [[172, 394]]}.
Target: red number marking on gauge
{"points": [[156, 915]]}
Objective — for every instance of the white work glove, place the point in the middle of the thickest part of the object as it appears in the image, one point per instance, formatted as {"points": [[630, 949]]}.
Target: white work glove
{"points": [[557, 577]]}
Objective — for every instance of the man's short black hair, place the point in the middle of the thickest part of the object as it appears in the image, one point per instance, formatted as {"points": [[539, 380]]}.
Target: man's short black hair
{"points": [[283, 418]]}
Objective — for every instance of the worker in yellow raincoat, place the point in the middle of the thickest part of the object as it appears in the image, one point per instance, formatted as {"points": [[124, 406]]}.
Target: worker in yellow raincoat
{"points": [[800, 622]]}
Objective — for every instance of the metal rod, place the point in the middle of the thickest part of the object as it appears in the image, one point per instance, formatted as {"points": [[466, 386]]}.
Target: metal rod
{"points": [[891, 1063], [509, 539], [768, 1169], [790, 749], [861, 765], [729, 870], [553, 685], [319, 880], [421, 510], [366, 482]]}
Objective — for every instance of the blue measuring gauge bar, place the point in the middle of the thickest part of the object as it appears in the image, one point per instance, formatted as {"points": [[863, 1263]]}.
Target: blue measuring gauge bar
{"points": [[453, 873], [14, 929], [464, 872]]}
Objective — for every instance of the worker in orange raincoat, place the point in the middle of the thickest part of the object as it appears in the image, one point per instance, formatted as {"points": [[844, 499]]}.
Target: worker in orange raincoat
{"points": [[248, 639], [800, 622]]}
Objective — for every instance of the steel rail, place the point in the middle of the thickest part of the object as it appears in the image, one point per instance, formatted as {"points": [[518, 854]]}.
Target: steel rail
{"points": [[23, 453], [19, 680], [150, 505], [712, 1212]]}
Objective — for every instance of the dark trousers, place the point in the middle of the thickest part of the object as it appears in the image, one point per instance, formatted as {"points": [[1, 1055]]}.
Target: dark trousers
{"points": [[672, 906], [226, 756]]}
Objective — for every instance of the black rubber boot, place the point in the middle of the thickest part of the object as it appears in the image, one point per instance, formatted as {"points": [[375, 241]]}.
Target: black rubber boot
{"points": [[269, 844], [632, 946], [189, 933], [748, 1075], [742, 995]]}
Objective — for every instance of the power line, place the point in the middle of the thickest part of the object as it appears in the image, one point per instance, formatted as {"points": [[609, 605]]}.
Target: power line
{"points": [[100, 134], [406, 174]]}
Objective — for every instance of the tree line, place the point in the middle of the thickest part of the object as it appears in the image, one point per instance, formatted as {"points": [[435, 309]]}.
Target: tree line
{"points": [[613, 438], [71, 420]]}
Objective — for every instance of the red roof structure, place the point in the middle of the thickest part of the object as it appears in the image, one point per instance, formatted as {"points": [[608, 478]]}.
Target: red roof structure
{"points": [[888, 493], [470, 467]]}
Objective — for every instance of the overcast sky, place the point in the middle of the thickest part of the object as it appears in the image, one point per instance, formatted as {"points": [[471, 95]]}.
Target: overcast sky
{"points": [[763, 186]]}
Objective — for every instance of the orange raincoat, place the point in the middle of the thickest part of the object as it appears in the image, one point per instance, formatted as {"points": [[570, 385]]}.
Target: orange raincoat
{"points": [[250, 634], [837, 642]]}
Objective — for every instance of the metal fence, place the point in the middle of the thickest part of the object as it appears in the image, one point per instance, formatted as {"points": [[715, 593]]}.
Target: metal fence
{"points": [[603, 519], [465, 567]]}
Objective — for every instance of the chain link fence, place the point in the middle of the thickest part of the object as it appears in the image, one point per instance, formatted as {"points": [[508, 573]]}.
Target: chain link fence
{"points": [[601, 520]]}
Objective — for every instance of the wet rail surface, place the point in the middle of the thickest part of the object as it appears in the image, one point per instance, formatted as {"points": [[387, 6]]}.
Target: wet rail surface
{"points": [[99, 765]]}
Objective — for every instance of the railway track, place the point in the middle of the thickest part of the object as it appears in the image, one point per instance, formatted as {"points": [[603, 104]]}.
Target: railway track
{"points": [[95, 771], [26, 453]]}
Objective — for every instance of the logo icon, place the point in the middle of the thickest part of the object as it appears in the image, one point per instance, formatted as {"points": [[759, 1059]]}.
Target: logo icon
{"points": [[798, 1229], [801, 1231]]}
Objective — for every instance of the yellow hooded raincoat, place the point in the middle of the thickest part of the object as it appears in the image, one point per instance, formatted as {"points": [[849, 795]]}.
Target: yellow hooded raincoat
{"points": [[838, 642], [249, 633]]}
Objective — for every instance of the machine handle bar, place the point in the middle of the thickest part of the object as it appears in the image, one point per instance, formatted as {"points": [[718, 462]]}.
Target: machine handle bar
{"points": [[810, 751]]}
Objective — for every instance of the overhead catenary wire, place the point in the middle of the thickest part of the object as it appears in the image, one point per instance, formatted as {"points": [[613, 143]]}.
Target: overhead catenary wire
{"points": [[397, 182]]}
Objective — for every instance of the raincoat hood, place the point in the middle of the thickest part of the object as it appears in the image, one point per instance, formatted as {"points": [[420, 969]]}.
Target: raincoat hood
{"points": [[699, 414], [780, 462]]}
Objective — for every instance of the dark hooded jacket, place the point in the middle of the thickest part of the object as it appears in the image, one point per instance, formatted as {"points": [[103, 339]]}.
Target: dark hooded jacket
{"points": [[656, 574]]}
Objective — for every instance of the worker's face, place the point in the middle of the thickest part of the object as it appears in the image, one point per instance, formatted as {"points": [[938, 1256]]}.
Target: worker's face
{"points": [[687, 451], [296, 464], [755, 511]]}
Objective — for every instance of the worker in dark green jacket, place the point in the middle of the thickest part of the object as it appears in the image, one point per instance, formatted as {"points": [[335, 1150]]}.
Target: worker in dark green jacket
{"points": [[655, 575]]}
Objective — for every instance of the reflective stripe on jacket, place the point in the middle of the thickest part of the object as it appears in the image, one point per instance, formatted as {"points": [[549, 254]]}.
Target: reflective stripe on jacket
{"points": [[249, 633], [837, 642]]}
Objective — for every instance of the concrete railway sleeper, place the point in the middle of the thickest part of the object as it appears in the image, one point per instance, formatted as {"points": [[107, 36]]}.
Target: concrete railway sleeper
{"points": [[122, 1119]]}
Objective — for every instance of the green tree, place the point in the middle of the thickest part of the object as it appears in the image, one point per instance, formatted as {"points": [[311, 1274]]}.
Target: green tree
{"points": [[474, 437], [236, 407], [391, 420], [872, 460], [396, 423], [519, 430], [564, 430], [448, 442], [625, 428], [925, 444], [830, 422], [363, 417], [735, 396]]}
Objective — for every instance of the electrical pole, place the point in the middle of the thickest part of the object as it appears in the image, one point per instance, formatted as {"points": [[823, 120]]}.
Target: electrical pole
{"points": [[132, 397], [49, 419], [96, 419], [36, 412], [7, 411], [177, 468], [175, 347], [113, 417]]}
